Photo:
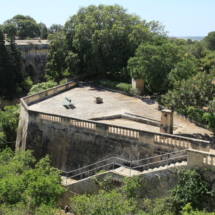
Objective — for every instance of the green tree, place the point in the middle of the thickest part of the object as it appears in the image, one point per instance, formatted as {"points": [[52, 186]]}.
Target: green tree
{"points": [[196, 91], [55, 28], [43, 31], [99, 39], [10, 68], [184, 69], [102, 203], [22, 180], [154, 62], [191, 188], [25, 26], [210, 40], [9, 118]]}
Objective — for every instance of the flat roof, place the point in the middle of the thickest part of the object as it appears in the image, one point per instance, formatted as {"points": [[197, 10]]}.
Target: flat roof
{"points": [[83, 97]]}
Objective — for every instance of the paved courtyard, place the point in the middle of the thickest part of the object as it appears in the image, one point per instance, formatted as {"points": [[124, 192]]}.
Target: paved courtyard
{"points": [[83, 98]]}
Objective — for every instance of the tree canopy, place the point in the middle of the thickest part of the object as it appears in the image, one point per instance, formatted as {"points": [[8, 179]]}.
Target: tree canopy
{"points": [[153, 62], [23, 180], [99, 39], [21, 26]]}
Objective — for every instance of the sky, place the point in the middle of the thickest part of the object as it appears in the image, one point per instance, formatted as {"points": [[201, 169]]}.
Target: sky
{"points": [[180, 17]]}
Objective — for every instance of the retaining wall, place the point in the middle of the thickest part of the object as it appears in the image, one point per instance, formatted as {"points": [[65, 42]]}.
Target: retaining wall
{"points": [[73, 143]]}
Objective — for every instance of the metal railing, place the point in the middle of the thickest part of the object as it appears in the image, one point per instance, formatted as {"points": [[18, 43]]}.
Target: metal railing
{"points": [[115, 162]]}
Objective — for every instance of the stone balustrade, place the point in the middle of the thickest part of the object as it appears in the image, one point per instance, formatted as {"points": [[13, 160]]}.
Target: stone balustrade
{"points": [[50, 117], [83, 124], [172, 141], [124, 132]]}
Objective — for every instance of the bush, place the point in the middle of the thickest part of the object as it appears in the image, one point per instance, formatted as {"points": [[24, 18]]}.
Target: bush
{"points": [[41, 87], [108, 83], [124, 87], [103, 203], [210, 119], [27, 83], [134, 91], [63, 81]]}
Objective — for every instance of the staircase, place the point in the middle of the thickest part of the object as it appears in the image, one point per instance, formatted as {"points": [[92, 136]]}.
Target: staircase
{"points": [[126, 167], [126, 171]]}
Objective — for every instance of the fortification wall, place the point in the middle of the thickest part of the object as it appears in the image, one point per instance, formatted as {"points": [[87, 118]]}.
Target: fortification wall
{"points": [[73, 143], [34, 60]]}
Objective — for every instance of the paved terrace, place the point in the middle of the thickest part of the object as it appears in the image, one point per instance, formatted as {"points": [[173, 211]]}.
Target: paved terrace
{"points": [[113, 103]]}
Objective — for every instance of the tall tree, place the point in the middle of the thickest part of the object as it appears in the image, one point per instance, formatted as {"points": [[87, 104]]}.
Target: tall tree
{"points": [[100, 39], [25, 26], [210, 40], [153, 62]]}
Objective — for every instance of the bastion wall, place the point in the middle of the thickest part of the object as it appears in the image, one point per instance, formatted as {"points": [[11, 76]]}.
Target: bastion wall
{"points": [[73, 143]]}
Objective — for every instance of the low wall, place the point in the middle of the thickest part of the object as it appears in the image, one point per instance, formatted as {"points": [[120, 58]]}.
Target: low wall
{"points": [[28, 100]]}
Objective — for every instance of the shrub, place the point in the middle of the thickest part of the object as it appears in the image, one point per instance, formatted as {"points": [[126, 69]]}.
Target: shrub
{"points": [[103, 203], [108, 83], [63, 81], [124, 87], [41, 87], [27, 83], [134, 91], [210, 119]]}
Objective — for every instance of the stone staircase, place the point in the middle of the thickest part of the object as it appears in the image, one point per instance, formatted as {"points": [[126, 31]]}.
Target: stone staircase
{"points": [[126, 171], [127, 168]]}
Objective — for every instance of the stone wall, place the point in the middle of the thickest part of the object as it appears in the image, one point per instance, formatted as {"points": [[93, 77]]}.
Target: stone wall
{"points": [[34, 62], [155, 184], [73, 143]]}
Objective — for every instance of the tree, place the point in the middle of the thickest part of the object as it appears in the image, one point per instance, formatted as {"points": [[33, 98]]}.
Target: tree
{"points": [[191, 188], [43, 31], [210, 40], [100, 40], [25, 26], [22, 180], [196, 91], [55, 28], [10, 68], [153, 62], [9, 118], [102, 203], [183, 69]]}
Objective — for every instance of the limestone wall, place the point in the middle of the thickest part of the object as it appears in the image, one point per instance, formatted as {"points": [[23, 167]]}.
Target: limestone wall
{"points": [[34, 62], [73, 143]]}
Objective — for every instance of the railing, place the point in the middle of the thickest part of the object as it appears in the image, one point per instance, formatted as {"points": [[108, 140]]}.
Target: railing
{"points": [[124, 132], [83, 124], [50, 118], [209, 160], [172, 141], [115, 162]]}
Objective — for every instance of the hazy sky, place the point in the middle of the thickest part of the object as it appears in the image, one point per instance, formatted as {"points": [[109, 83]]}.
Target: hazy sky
{"points": [[181, 17]]}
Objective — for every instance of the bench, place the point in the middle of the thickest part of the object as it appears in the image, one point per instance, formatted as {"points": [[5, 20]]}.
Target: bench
{"points": [[68, 102]]}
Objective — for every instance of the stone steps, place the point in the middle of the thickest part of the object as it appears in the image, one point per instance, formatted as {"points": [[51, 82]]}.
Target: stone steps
{"points": [[126, 170], [66, 181], [177, 164]]}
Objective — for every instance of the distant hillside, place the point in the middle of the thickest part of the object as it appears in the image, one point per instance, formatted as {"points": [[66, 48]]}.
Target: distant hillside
{"points": [[192, 37]]}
